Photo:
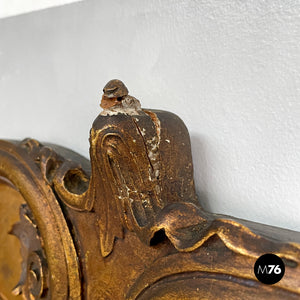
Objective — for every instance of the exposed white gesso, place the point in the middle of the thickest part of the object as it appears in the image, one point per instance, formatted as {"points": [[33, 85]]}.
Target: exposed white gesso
{"points": [[229, 69]]}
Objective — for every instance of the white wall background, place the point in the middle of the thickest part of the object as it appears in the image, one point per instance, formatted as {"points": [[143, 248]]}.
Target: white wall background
{"points": [[229, 69]]}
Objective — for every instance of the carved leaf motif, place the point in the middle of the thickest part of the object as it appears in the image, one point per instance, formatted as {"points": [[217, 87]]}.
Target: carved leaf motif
{"points": [[122, 170]]}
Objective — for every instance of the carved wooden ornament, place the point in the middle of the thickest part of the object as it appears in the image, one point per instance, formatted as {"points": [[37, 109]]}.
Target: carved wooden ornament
{"points": [[127, 224]]}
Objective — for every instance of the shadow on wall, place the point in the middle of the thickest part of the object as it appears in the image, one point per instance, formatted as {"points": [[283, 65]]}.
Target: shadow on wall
{"points": [[201, 158]]}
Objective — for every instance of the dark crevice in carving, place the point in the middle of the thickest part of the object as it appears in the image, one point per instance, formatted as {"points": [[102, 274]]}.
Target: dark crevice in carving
{"points": [[76, 181], [158, 238]]}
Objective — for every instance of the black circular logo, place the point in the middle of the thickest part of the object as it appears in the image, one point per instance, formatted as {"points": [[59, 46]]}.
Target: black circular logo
{"points": [[269, 268]]}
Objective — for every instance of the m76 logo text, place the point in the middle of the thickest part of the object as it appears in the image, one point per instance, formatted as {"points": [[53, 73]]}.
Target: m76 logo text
{"points": [[269, 269]]}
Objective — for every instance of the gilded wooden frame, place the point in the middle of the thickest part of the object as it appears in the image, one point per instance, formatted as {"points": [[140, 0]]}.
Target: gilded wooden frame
{"points": [[127, 224]]}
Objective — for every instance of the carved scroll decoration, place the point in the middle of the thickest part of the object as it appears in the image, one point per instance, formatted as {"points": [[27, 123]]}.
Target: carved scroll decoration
{"points": [[34, 282], [19, 168]]}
